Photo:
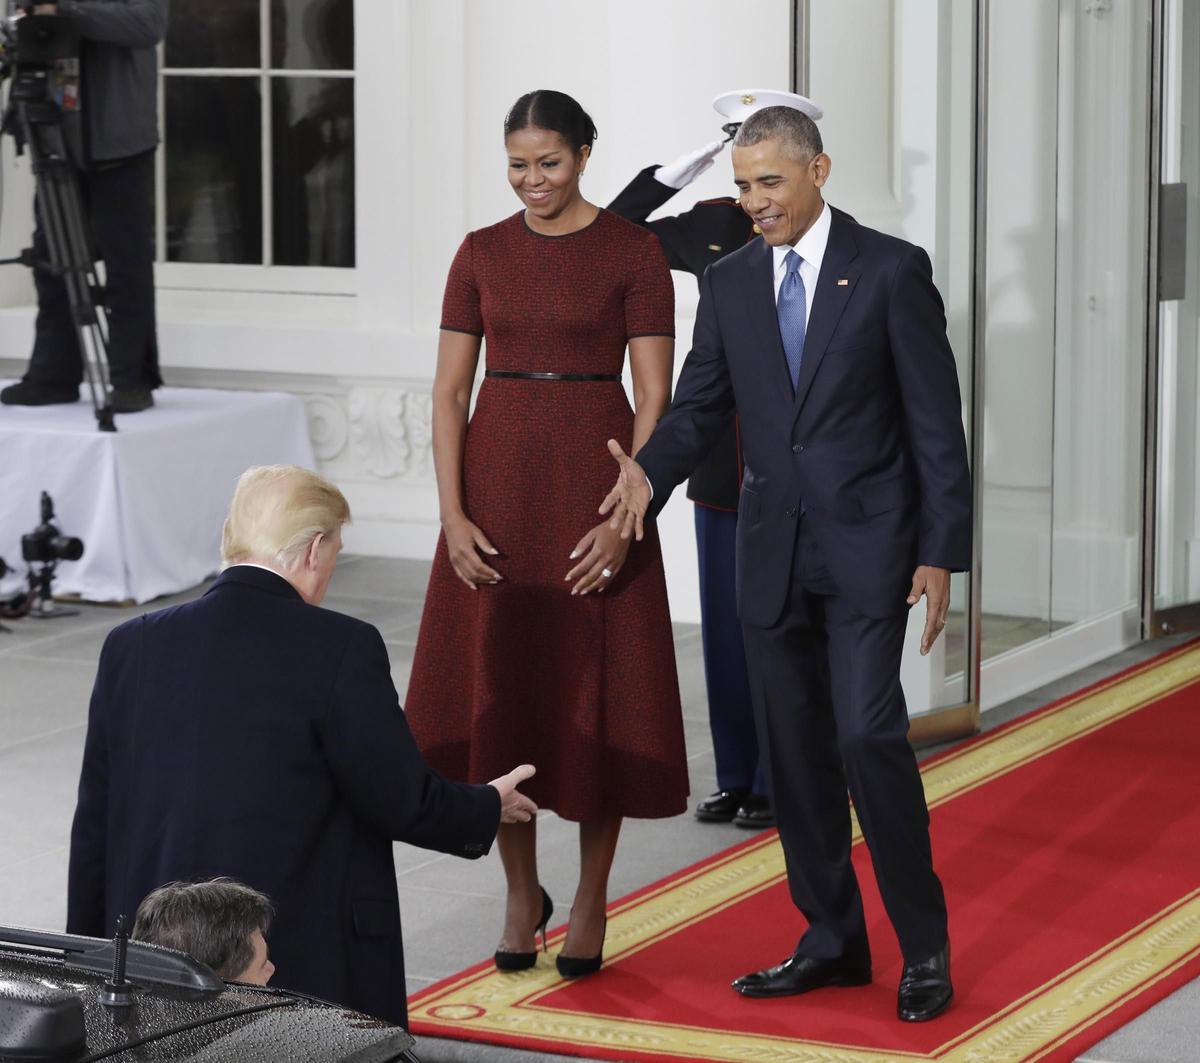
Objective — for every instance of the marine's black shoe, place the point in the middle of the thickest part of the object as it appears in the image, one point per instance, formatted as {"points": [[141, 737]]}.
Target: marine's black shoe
{"points": [[799, 974], [31, 393], [722, 806], [925, 989]]}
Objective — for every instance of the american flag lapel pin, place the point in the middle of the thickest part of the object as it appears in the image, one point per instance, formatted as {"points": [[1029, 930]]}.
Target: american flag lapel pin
{"points": [[843, 281]]}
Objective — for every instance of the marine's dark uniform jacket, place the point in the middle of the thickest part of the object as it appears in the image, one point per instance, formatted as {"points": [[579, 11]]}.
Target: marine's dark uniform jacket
{"points": [[693, 241]]}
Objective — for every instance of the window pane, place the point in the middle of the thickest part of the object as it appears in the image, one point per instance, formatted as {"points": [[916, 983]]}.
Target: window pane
{"points": [[213, 33], [214, 169], [313, 171], [312, 34]]}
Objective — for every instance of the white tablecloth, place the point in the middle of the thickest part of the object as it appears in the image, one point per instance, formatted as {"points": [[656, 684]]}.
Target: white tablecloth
{"points": [[147, 500]]}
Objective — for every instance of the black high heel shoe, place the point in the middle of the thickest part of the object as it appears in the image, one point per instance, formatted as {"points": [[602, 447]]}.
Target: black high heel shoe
{"points": [[579, 966], [522, 961]]}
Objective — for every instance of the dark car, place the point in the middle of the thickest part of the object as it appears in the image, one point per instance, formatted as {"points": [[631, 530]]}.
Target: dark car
{"points": [[70, 999]]}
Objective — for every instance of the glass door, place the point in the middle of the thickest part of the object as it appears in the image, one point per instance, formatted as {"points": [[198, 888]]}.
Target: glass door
{"points": [[1173, 598], [1065, 318]]}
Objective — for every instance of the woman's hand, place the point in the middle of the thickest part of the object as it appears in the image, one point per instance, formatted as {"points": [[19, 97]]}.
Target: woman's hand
{"points": [[464, 541], [603, 552]]}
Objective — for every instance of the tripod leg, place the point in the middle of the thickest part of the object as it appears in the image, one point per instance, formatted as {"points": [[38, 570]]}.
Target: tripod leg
{"points": [[88, 317], [71, 256]]}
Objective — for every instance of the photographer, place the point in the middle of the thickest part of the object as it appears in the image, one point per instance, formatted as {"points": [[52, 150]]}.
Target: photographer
{"points": [[120, 109]]}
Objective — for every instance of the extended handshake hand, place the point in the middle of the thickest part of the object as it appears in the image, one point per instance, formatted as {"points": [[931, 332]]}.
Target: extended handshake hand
{"points": [[629, 499], [515, 807]]}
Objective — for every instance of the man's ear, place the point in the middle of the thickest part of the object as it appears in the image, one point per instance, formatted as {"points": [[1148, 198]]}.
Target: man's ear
{"points": [[311, 555], [822, 164]]}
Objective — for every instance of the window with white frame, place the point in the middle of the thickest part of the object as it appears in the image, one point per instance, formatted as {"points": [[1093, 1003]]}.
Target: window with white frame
{"points": [[256, 171]]}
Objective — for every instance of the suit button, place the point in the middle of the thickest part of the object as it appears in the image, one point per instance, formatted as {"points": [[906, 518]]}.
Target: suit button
{"points": [[797, 448], [790, 511]]}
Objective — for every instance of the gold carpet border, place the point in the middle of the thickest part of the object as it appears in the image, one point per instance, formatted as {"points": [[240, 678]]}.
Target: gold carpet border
{"points": [[507, 1004]]}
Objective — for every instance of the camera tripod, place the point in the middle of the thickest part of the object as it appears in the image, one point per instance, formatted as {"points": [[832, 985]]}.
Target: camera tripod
{"points": [[35, 119]]}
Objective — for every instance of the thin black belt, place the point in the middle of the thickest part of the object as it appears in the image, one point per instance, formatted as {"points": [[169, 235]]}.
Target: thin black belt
{"points": [[508, 374]]}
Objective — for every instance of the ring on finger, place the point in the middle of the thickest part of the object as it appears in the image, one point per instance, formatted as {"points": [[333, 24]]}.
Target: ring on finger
{"points": [[606, 573]]}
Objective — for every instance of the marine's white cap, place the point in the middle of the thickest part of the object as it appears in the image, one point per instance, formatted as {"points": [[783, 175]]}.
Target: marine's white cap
{"points": [[739, 105]]}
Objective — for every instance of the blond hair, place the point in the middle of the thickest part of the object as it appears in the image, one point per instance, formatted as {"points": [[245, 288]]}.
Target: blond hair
{"points": [[276, 511]]}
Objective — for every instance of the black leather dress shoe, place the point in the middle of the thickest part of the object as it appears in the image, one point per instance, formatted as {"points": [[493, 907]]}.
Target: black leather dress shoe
{"points": [[131, 400], [799, 974], [722, 806], [29, 393], [925, 989], [755, 813]]}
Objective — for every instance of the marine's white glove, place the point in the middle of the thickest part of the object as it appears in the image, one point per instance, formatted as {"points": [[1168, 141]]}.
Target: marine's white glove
{"points": [[684, 170]]}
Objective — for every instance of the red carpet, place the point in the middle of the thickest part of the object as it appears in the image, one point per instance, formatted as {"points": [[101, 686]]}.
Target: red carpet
{"points": [[1067, 843]]}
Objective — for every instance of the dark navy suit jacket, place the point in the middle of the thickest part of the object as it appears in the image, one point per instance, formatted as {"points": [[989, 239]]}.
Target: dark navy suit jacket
{"points": [[870, 446], [250, 734]]}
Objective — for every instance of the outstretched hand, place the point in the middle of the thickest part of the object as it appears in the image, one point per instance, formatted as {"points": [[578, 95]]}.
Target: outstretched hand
{"points": [[629, 499], [515, 807], [934, 584]]}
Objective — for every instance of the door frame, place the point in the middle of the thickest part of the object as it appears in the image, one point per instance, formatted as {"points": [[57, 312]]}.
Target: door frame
{"points": [[1156, 623]]}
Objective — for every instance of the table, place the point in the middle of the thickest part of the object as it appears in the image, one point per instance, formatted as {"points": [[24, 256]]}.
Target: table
{"points": [[148, 500]]}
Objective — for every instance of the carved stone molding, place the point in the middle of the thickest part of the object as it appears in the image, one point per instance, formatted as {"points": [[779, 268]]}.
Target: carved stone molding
{"points": [[390, 431], [328, 426], [378, 434], [418, 421]]}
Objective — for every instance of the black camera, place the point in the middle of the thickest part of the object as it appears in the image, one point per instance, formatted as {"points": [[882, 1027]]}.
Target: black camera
{"points": [[41, 55], [46, 545]]}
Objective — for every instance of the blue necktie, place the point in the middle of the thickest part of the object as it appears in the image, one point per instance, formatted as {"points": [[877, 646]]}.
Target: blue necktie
{"points": [[791, 307]]}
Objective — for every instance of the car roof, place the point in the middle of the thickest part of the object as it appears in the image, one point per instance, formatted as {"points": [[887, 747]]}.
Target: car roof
{"points": [[202, 1019]]}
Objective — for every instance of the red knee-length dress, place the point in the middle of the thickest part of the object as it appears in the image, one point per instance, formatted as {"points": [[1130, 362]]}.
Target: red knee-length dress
{"points": [[583, 687]]}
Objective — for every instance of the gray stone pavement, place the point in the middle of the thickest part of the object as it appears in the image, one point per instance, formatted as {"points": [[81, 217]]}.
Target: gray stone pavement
{"points": [[452, 909]]}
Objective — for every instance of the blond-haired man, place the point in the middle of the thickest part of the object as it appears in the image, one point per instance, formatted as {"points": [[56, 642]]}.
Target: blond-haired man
{"points": [[250, 734]]}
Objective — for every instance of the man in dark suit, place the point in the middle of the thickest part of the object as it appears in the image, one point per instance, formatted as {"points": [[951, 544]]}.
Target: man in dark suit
{"points": [[829, 338], [251, 734]]}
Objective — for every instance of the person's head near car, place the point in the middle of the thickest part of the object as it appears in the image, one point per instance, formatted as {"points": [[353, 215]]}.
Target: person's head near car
{"points": [[289, 520], [220, 922]]}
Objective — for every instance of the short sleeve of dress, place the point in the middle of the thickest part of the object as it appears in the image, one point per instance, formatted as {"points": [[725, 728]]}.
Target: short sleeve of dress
{"points": [[461, 310], [649, 293]]}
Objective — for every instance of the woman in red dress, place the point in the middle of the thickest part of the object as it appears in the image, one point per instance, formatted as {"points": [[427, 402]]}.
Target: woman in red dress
{"points": [[545, 636]]}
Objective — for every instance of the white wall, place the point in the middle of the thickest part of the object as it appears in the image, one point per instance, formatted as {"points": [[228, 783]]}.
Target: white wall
{"points": [[16, 227]]}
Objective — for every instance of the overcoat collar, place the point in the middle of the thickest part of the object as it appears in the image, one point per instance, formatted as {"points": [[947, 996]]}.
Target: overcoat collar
{"points": [[259, 578]]}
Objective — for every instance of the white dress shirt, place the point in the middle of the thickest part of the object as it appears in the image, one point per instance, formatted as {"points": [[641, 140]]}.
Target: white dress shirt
{"points": [[811, 249]]}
